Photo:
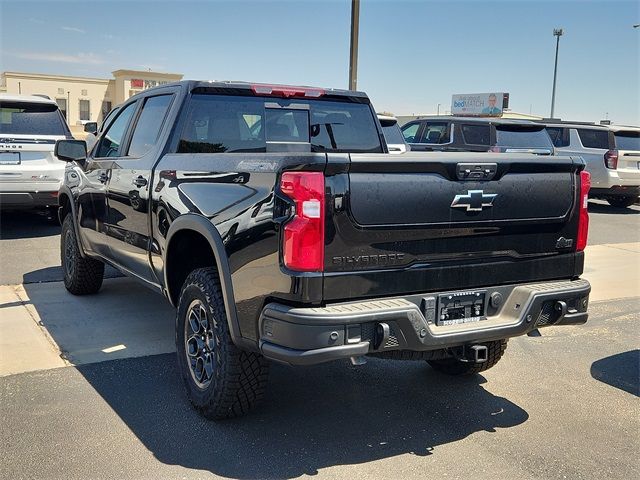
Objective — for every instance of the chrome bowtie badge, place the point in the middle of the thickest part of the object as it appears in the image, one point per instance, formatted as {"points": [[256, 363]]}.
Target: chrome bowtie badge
{"points": [[474, 200]]}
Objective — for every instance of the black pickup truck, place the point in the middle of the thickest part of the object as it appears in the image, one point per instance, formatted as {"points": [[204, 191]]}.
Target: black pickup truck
{"points": [[275, 221]]}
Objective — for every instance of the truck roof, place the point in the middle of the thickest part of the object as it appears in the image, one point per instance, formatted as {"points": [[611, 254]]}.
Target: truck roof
{"points": [[242, 85]]}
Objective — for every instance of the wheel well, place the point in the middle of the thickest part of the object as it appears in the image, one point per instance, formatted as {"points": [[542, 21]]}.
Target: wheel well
{"points": [[187, 251]]}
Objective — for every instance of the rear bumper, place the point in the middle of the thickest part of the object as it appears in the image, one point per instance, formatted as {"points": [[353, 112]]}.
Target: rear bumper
{"points": [[305, 336], [615, 191], [26, 200]]}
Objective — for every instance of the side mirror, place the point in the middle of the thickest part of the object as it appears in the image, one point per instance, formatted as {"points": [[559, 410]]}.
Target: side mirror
{"points": [[71, 150], [91, 127]]}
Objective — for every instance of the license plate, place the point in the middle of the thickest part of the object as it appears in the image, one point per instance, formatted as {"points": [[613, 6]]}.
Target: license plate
{"points": [[461, 307], [9, 158]]}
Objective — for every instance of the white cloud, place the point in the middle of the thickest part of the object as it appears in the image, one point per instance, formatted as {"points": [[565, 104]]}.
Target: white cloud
{"points": [[73, 29], [36, 20], [80, 58], [108, 36]]}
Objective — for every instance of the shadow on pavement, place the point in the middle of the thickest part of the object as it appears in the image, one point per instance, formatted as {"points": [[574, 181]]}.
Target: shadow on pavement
{"points": [[54, 274], [312, 418], [26, 224], [608, 209], [621, 371]]}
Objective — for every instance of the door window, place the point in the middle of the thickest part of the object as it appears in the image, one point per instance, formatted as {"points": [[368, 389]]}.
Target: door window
{"points": [[409, 132], [147, 130], [476, 134], [111, 142], [435, 132], [559, 136]]}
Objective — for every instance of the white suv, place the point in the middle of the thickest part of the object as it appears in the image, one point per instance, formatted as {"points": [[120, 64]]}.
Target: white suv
{"points": [[612, 155], [30, 174]]}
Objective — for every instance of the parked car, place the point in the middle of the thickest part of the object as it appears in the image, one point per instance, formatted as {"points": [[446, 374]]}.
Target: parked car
{"points": [[392, 134], [305, 242], [477, 134], [612, 155], [30, 175]]}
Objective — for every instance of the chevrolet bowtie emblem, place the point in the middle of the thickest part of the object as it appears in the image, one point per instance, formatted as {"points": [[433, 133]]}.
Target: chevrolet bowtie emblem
{"points": [[474, 200]]}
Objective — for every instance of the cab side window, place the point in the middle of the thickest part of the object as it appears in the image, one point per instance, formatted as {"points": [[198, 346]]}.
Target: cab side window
{"points": [[111, 142], [147, 129]]}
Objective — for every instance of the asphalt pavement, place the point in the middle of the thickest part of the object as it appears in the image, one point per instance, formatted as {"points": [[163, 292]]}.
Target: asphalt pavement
{"points": [[98, 396]]}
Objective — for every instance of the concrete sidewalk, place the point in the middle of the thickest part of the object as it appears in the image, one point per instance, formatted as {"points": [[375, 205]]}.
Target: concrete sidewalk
{"points": [[42, 326]]}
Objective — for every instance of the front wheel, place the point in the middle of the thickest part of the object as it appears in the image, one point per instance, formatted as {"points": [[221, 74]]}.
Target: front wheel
{"points": [[221, 380], [622, 202], [82, 275], [453, 366]]}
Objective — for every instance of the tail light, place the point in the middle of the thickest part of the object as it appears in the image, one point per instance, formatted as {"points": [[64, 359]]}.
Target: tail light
{"points": [[583, 220], [611, 159], [303, 239]]}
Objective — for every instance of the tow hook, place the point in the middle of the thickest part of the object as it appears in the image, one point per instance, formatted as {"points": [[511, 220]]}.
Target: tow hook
{"points": [[471, 353]]}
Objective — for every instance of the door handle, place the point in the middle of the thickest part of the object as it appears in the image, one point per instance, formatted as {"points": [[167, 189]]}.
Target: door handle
{"points": [[103, 177], [140, 181]]}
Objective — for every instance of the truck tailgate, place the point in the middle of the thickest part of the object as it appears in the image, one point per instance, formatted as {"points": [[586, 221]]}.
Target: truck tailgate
{"points": [[426, 221]]}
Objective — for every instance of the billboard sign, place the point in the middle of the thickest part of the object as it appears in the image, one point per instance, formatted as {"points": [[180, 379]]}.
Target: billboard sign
{"points": [[479, 104]]}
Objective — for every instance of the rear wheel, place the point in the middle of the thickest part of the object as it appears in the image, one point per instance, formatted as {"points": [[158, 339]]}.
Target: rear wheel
{"points": [[622, 202], [222, 381], [453, 366], [82, 275]]}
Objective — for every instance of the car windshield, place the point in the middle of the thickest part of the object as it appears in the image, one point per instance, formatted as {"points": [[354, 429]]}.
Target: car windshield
{"points": [[24, 118], [627, 140], [392, 134], [518, 136]]}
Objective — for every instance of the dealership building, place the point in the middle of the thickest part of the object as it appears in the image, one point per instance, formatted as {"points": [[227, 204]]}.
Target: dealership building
{"points": [[84, 99]]}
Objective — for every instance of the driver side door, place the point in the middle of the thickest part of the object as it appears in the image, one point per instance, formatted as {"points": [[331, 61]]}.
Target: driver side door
{"points": [[93, 198]]}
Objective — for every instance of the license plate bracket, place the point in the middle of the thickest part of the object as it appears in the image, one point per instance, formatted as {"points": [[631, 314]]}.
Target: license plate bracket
{"points": [[10, 158], [457, 308]]}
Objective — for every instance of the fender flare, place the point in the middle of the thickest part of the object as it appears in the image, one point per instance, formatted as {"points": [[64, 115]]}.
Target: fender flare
{"points": [[66, 191], [203, 226]]}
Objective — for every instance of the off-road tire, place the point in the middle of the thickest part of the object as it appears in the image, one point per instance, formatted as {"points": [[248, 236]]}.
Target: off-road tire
{"points": [[622, 202], [239, 377], [452, 366], [81, 275]]}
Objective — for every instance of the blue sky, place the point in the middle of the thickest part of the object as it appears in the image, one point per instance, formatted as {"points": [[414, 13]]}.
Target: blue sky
{"points": [[413, 54]]}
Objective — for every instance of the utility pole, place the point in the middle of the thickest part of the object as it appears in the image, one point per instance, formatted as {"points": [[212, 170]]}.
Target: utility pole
{"points": [[353, 53], [557, 32]]}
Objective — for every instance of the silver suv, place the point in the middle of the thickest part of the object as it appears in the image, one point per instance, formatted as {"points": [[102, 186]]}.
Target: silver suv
{"points": [[612, 155]]}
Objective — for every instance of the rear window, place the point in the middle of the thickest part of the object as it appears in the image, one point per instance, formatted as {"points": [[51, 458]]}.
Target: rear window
{"points": [[627, 140], [24, 118], [517, 136], [559, 136], [392, 134], [225, 123], [592, 138]]}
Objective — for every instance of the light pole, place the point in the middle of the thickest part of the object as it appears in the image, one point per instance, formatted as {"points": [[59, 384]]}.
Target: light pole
{"points": [[353, 52], [557, 32], [438, 109]]}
